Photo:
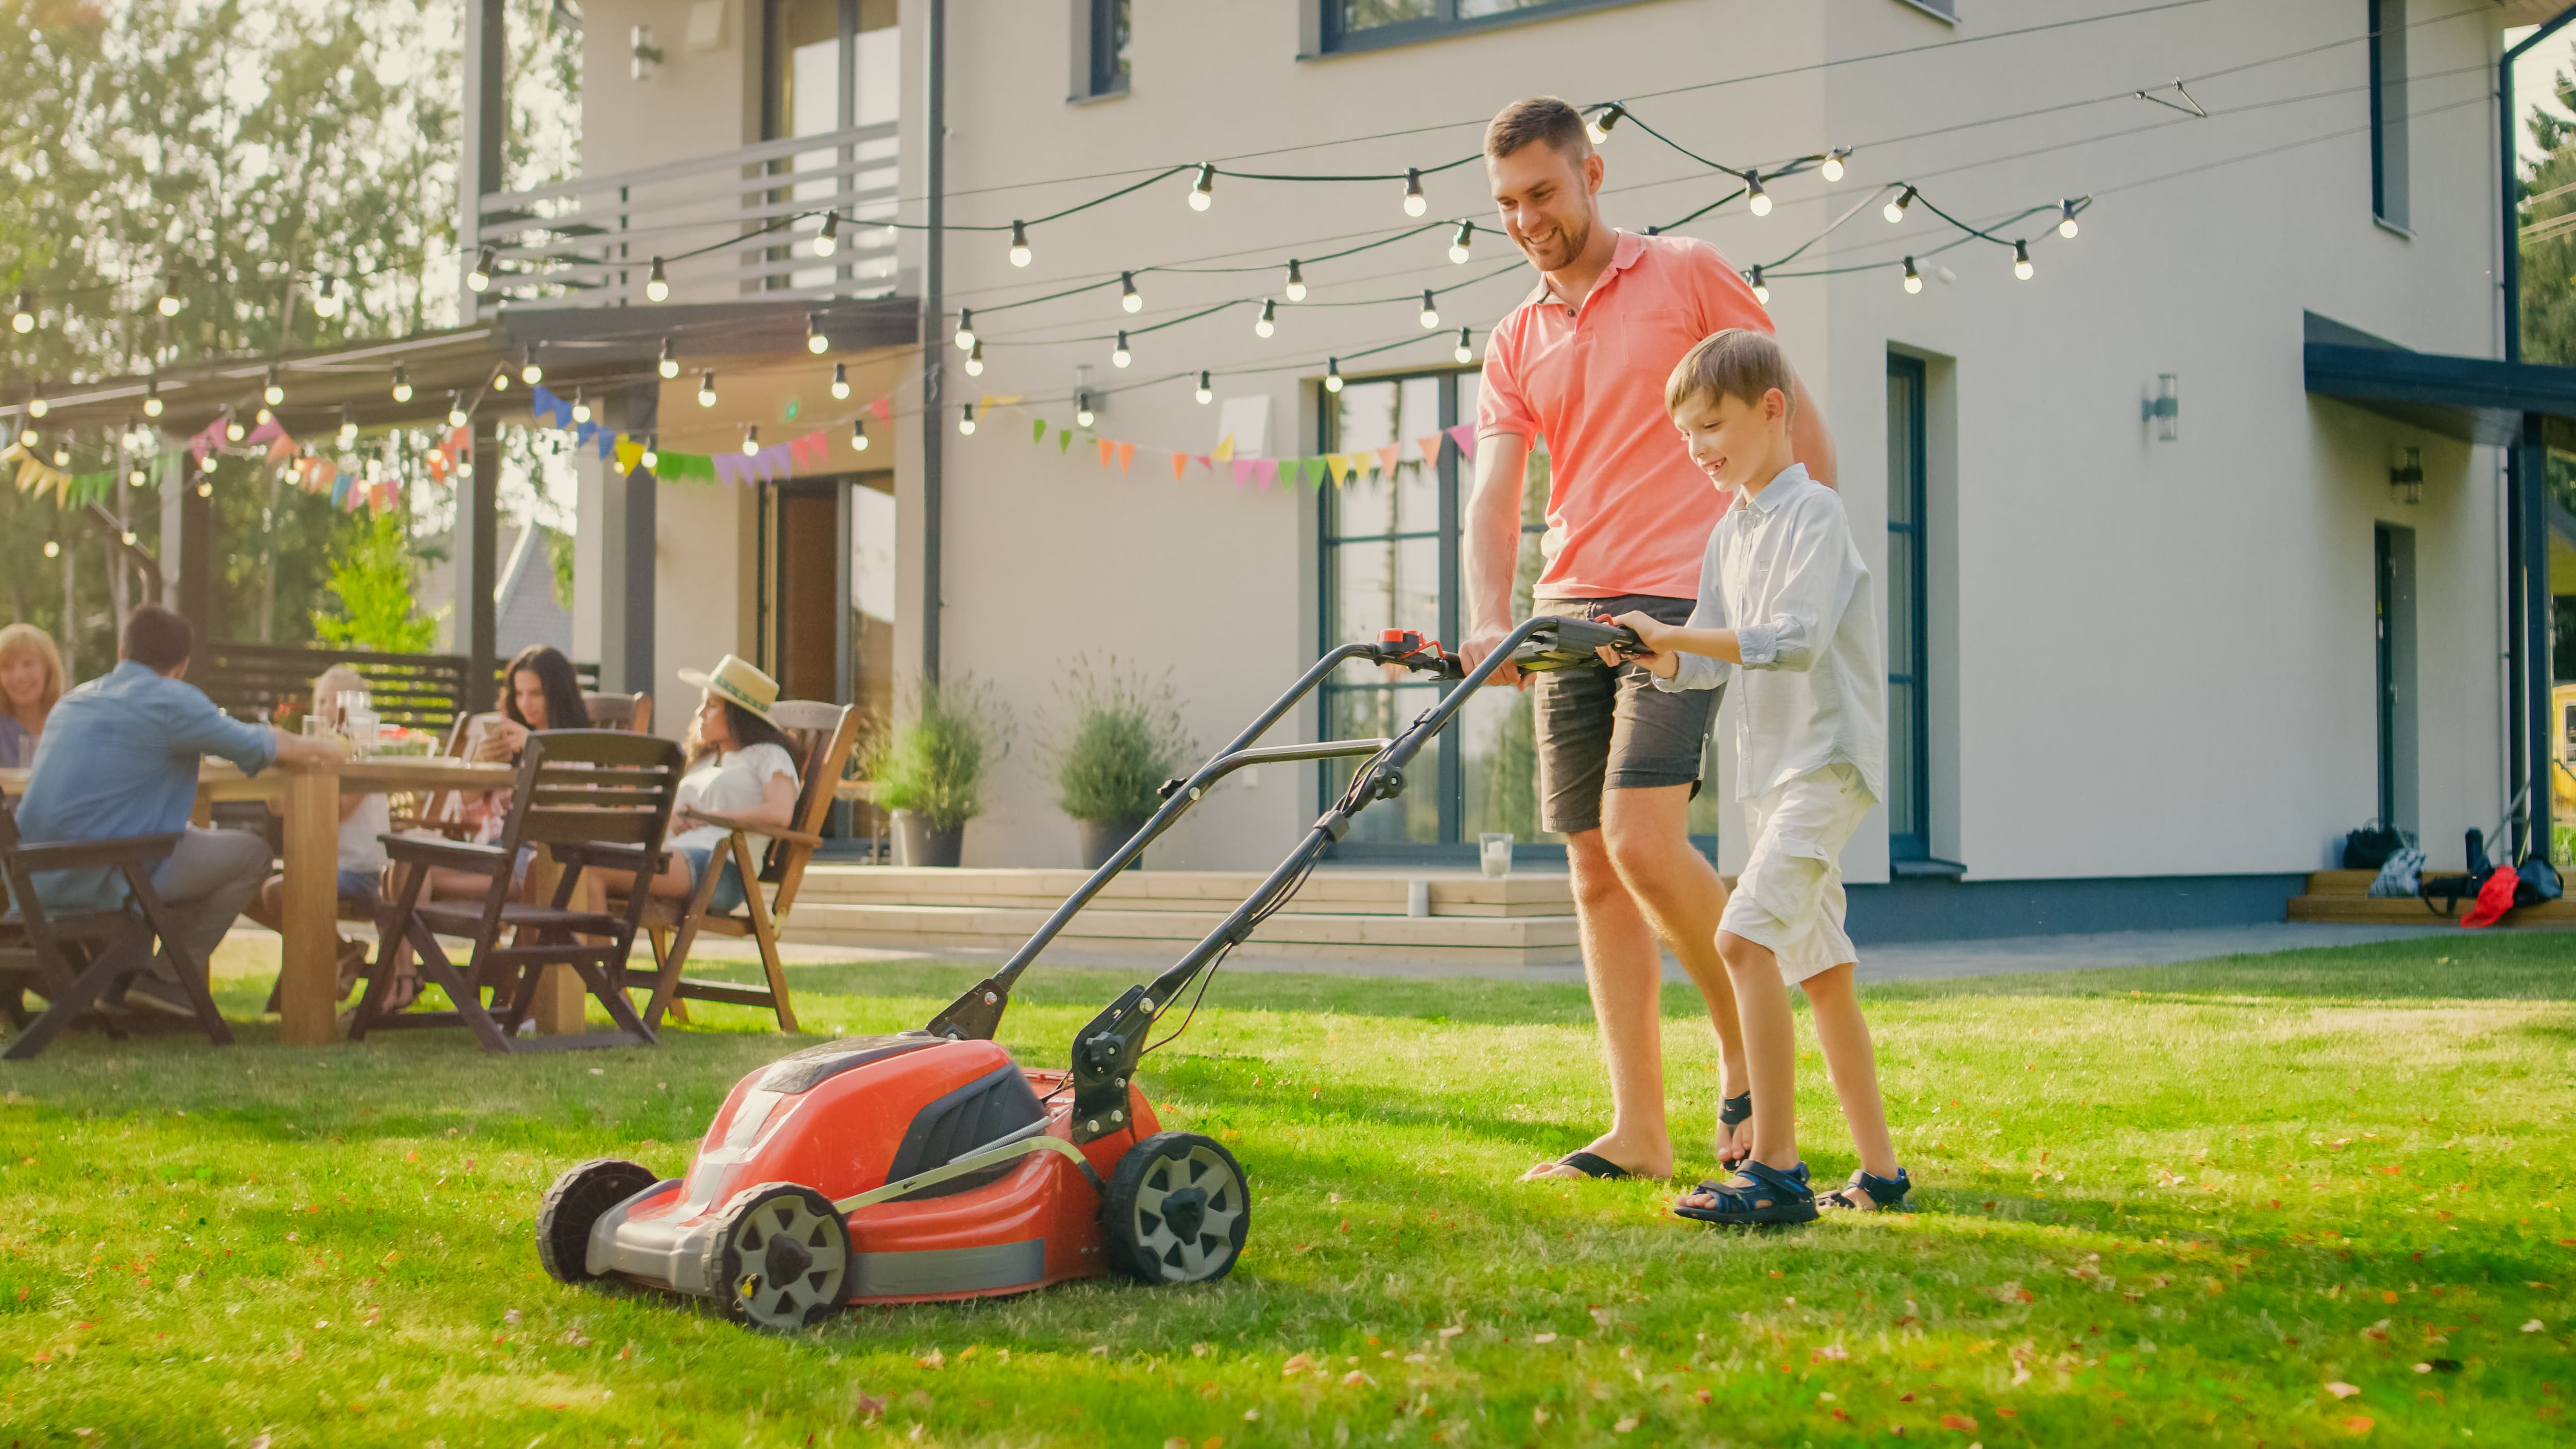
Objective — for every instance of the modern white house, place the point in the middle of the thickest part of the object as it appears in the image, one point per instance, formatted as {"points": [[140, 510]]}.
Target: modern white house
{"points": [[2210, 536]]}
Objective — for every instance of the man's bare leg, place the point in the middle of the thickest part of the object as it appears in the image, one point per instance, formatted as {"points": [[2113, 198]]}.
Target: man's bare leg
{"points": [[1648, 833], [1770, 1052], [1623, 965]]}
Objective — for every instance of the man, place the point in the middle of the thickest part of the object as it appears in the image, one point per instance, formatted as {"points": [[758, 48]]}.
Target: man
{"points": [[1582, 362], [119, 758]]}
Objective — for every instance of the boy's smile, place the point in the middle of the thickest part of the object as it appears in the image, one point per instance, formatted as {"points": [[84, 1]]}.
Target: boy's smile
{"points": [[1736, 443]]}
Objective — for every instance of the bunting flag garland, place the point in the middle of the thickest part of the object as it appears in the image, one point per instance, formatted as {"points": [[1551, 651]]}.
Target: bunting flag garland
{"points": [[1106, 447], [1064, 440], [1430, 446], [1464, 435], [1037, 430], [1343, 469], [884, 409], [1126, 455], [1242, 471], [1265, 469]]}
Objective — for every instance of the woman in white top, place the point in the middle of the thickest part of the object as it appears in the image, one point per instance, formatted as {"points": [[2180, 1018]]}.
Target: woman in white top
{"points": [[741, 770], [364, 821]]}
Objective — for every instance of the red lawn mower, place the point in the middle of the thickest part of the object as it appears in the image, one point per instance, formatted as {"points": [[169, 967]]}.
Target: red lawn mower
{"points": [[928, 1165]]}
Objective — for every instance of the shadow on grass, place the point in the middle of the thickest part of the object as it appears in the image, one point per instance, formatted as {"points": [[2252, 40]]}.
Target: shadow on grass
{"points": [[2514, 966]]}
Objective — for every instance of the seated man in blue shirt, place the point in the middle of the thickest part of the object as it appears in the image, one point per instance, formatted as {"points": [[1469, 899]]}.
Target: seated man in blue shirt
{"points": [[119, 757]]}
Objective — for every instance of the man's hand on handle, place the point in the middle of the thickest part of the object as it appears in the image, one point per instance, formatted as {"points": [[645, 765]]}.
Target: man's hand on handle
{"points": [[1479, 645], [1650, 631]]}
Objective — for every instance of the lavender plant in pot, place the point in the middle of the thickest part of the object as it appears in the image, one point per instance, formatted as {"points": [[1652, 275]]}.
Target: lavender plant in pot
{"points": [[1121, 738]]}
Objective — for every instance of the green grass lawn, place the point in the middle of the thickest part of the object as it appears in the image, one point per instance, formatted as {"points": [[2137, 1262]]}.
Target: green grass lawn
{"points": [[2285, 1200]]}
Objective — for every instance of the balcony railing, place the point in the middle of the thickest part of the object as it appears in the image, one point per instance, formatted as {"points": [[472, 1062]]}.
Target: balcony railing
{"points": [[746, 218]]}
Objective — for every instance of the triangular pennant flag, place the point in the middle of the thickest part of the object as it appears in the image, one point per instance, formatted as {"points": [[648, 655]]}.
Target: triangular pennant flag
{"points": [[340, 492], [1265, 469], [325, 473], [1464, 435], [1242, 471], [264, 432], [541, 400], [1106, 448], [1386, 459], [1430, 446], [1204, 461], [1310, 471], [1180, 461], [607, 444], [1335, 464], [884, 409], [629, 454], [581, 434], [1063, 440], [1224, 449], [1037, 430], [283, 448], [1126, 455]]}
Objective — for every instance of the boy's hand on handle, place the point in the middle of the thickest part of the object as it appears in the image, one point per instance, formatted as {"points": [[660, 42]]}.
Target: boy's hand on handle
{"points": [[1650, 632], [1479, 645]]}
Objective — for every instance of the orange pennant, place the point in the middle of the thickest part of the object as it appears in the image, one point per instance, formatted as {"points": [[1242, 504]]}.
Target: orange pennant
{"points": [[1106, 448], [1179, 462], [1386, 460], [1126, 455], [1430, 447]]}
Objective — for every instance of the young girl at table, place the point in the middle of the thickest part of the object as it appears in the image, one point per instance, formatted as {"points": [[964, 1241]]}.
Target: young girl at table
{"points": [[741, 768], [364, 821]]}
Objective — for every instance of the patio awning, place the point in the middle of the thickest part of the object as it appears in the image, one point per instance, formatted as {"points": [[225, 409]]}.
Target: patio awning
{"points": [[593, 348], [2473, 399]]}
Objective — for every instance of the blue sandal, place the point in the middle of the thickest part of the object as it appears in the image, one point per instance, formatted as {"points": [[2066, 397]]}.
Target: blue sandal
{"points": [[1865, 1193], [1734, 1111], [1590, 1164], [1756, 1196]]}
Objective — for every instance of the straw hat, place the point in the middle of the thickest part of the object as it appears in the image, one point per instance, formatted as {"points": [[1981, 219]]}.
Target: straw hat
{"points": [[736, 681]]}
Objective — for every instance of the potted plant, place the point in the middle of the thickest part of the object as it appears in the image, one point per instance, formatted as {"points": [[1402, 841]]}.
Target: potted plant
{"points": [[931, 769], [1123, 738]]}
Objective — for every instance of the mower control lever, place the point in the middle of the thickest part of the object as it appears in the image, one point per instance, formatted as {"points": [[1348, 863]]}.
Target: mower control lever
{"points": [[1104, 1057], [1407, 648]]}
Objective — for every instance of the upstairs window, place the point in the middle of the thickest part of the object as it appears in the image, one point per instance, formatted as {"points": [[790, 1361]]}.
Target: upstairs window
{"points": [[1370, 24], [2388, 112], [1100, 31]]}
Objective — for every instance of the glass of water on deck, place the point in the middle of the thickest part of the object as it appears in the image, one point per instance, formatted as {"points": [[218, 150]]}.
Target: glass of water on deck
{"points": [[1494, 849]]}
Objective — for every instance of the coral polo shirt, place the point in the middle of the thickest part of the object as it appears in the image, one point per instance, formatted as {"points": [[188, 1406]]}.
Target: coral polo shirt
{"points": [[1627, 510]]}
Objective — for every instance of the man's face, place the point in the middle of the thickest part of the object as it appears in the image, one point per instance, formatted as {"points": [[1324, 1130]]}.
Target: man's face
{"points": [[1729, 437], [1546, 201]]}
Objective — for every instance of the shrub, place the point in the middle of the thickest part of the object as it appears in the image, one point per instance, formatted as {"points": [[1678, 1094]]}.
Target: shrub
{"points": [[936, 762], [371, 582], [1124, 739]]}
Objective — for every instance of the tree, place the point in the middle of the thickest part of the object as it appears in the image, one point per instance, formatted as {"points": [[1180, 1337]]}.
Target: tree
{"points": [[372, 582]]}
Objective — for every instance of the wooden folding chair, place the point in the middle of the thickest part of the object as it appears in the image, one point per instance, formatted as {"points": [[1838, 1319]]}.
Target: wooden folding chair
{"points": [[588, 796], [823, 734], [71, 960], [630, 712]]}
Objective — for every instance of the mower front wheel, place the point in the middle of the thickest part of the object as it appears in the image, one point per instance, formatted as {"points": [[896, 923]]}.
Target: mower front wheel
{"points": [[782, 1258], [1176, 1210], [573, 1205]]}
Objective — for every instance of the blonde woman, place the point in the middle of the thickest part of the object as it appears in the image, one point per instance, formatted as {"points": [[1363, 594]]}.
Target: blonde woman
{"points": [[31, 679]]}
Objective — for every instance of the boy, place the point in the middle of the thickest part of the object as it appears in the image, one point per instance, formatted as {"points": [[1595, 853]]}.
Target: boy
{"points": [[1783, 596]]}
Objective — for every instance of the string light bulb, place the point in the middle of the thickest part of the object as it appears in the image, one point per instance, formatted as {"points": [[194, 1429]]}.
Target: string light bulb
{"points": [[501, 380], [1761, 288], [206, 464], [750, 439], [275, 392], [1268, 321], [169, 303], [2021, 260], [840, 382], [1415, 203], [26, 437], [652, 456], [1203, 190], [1756, 200], [1019, 243], [2066, 220], [264, 417], [706, 389], [859, 434], [233, 430], [1128, 299], [134, 478], [37, 407], [1430, 311], [657, 287], [1466, 349], [1913, 278], [62, 456], [402, 388], [23, 318], [152, 397], [966, 419], [1458, 245], [348, 427], [828, 240], [580, 408], [1084, 415], [965, 328], [815, 342], [326, 298], [1207, 391], [480, 279], [1833, 167], [667, 363], [1894, 211], [53, 549], [1598, 128], [1119, 356], [529, 372], [1332, 374], [455, 410], [975, 359], [1296, 282]]}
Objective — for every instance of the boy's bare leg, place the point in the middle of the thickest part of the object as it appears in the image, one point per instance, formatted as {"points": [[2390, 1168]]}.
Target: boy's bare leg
{"points": [[1648, 833], [1845, 1039], [1623, 965], [1770, 1052]]}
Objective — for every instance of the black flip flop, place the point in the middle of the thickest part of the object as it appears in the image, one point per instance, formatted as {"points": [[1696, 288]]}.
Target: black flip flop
{"points": [[1590, 1164], [1732, 1111], [1757, 1196]]}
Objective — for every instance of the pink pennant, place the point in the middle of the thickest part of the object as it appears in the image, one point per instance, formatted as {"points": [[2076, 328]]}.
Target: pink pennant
{"points": [[1430, 447], [1242, 471], [1265, 469], [884, 409], [1126, 455], [1180, 461], [264, 432], [1205, 462], [1386, 460], [1464, 435]]}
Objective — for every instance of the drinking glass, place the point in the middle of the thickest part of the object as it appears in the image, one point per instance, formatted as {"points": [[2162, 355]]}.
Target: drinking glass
{"points": [[1494, 848]]}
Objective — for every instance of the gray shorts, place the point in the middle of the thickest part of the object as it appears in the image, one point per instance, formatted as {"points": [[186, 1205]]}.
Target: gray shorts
{"points": [[1603, 729]]}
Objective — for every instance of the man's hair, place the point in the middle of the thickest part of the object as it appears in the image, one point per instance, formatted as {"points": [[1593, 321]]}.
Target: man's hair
{"points": [[1539, 118], [1739, 363], [158, 639]]}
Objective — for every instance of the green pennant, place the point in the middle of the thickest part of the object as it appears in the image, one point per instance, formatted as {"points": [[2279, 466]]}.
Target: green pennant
{"points": [[1064, 440], [1310, 471], [1037, 430]]}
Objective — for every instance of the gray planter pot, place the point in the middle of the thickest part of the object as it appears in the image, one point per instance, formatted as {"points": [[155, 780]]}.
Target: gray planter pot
{"points": [[1101, 839], [918, 842]]}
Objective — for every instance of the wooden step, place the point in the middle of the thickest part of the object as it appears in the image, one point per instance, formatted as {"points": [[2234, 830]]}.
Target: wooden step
{"points": [[2357, 908], [1345, 892]]}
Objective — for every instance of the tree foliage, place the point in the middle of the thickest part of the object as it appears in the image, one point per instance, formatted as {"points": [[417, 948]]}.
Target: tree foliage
{"points": [[371, 583]]}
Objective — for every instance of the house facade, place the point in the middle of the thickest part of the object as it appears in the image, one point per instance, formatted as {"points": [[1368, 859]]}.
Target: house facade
{"points": [[2172, 603]]}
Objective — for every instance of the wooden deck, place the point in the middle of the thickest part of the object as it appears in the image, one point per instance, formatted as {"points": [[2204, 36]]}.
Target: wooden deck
{"points": [[1522, 919], [2344, 896]]}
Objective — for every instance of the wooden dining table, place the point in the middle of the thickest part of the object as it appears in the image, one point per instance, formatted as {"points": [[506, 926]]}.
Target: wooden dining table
{"points": [[307, 797]]}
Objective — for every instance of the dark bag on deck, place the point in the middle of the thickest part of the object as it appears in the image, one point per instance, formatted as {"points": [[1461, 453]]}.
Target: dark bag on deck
{"points": [[2369, 847]]}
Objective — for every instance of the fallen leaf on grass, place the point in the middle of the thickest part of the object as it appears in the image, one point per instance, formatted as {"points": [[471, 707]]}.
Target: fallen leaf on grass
{"points": [[1831, 1350], [1551, 1338], [1297, 1364], [1960, 1422], [1357, 1378], [2534, 1326], [2343, 1390], [931, 1360], [869, 1406], [1626, 1425], [2357, 1424]]}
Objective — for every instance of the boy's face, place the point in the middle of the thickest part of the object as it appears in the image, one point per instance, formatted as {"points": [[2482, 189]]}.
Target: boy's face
{"points": [[1733, 441]]}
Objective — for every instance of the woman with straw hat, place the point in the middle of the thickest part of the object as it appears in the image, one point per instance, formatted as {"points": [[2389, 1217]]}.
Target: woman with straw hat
{"points": [[740, 768]]}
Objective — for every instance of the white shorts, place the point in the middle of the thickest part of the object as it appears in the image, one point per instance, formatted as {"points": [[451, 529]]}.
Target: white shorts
{"points": [[1790, 896]]}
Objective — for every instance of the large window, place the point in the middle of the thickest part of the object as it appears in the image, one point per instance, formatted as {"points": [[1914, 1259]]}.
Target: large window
{"points": [[1368, 24], [1909, 737], [1390, 551], [832, 65], [2388, 111]]}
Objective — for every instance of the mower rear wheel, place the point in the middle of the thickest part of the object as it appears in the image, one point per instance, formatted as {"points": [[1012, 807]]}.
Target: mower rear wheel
{"points": [[782, 1258], [573, 1205], [1176, 1210]]}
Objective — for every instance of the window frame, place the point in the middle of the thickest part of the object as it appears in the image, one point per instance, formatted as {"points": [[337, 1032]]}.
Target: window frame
{"points": [[2390, 191], [1095, 52], [1324, 37], [1911, 840]]}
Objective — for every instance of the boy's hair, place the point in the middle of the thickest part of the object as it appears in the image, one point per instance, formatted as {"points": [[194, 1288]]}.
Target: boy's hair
{"points": [[1538, 118], [158, 639], [1739, 363]]}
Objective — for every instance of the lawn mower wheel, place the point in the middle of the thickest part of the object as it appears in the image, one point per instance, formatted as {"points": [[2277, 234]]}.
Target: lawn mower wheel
{"points": [[782, 1258], [574, 1203], [1176, 1210]]}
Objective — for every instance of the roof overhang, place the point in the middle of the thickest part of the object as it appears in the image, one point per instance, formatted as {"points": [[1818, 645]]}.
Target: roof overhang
{"points": [[2473, 399], [593, 349]]}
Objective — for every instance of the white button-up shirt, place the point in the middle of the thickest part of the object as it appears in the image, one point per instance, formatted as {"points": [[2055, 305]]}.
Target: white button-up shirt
{"points": [[1782, 572]]}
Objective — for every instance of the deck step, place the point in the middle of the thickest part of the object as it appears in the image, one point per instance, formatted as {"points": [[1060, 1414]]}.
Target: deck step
{"points": [[2343, 896]]}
